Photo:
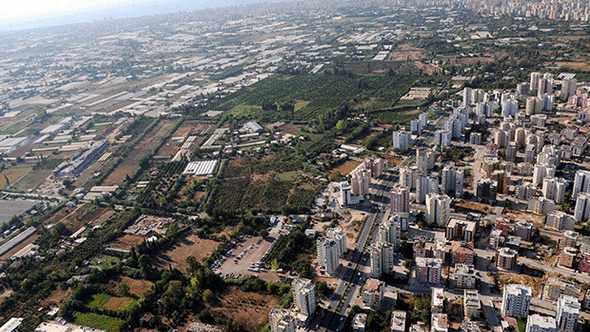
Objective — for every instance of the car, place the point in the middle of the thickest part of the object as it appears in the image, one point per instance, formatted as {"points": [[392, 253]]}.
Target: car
{"points": [[341, 319]]}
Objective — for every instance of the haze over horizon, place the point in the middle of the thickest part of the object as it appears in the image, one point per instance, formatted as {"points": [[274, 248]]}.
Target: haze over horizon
{"points": [[31, 14]]}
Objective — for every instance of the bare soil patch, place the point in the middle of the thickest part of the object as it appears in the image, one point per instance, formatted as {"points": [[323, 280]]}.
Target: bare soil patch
{"points": [[57, 297], [580, 65], [117, 303], [142, 148], [249, 309], [127, 241], [191, 245], [290, 128], [347, 167], [136, 287]]}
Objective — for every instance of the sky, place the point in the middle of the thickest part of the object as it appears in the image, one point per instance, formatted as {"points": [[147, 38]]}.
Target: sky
{"points": [[27, 14]]}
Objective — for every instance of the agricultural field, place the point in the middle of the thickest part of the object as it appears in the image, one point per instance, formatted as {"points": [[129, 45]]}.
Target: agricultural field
{"points": [[347, 167], [191, 245], [145, 146], [249, 309], [10, 176], [127, 241], [272, 182], [274, 99], [136, 287], [98, 321], [165, 184], [75, 218]]}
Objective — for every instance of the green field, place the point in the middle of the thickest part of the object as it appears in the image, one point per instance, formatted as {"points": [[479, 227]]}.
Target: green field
{"points": [[314, 95], [98, 321], [99, 300], [14, 128], [105, 261], [32, 179], [13, 175]]}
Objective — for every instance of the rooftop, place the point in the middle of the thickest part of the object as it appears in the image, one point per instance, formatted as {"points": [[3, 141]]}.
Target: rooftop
{"points": [[373, 285]]}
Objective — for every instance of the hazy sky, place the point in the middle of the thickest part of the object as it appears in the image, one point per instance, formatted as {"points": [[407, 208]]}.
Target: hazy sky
{"points": [[26, 14], [31, 8]]}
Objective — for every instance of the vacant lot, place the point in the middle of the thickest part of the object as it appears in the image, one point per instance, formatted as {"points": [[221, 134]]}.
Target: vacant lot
{"points": [[191, 245], [75, 218], [13, 175], [249, 309], [141, 149], [575, 65], [268, 183], [405, 52], [118, 303], [136, 287], [56, 297], [347, 167], [127, 241], [32, 179]]}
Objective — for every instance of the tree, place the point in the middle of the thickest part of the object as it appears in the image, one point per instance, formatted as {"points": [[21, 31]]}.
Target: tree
{"points": [[321, 287], [274, 265], [408, 263], [208, 296], [124, 289]]}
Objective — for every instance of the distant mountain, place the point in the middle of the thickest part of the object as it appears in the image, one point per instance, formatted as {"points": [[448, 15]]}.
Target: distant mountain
{"points": [[124, 10]]}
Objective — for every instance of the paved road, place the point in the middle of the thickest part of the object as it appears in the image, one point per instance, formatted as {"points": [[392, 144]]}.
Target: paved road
{"points": [[330, 319], [581, 277]]}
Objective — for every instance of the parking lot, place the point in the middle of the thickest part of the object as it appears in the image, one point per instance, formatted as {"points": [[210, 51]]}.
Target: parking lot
{"points": [[246, 257]]}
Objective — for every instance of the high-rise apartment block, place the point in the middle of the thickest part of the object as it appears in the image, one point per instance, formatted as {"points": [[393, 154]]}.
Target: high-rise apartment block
{"points": [[464, 276], [401, 140], [428, 270], [425, 158], [330, 248], [560, 221], [382, 259], [359, 182], [281, 320], [516, 300], [438, 209], [538, 323], [568, 311], [582, 209], [425, 185], [305, 296], [452, 180], [399, 200], [581, 183]]}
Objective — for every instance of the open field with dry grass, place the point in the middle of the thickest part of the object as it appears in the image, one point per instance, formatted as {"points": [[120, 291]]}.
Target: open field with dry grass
{"points": [[56, 297], [249, 309], [347, 167], [13, 174], [190, 245], [117, 303], [142, 148]]}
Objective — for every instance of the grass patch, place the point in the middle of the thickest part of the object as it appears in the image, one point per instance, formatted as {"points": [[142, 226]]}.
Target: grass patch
{"points": [[15, 128], [32, 179], [13, 175], [98, 301], [521, 325], [98, 321], [105, 261], [287, 176], [314, 95]]}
